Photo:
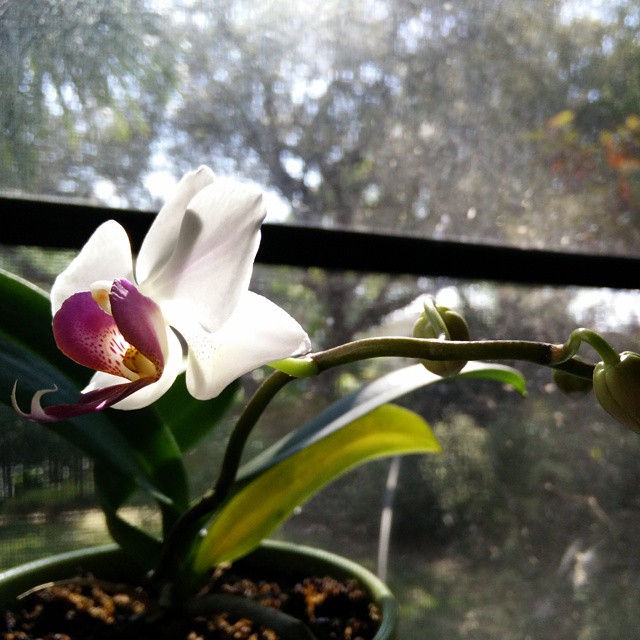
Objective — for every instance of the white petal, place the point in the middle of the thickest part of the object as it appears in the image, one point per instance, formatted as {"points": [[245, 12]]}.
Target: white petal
{"points": [[160, 240], [174, 365], [105, 256], [258, 332], [211, 265]]}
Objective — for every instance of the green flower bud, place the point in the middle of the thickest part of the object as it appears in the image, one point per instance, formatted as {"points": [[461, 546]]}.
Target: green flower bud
{"points": [[617, 388], [572, 385], [457, 329]]}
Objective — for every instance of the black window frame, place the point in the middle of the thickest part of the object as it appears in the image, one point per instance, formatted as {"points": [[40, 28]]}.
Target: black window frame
{"points": [[63, 225]]}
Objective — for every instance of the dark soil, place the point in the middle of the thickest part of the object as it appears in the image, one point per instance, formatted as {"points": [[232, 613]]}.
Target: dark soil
{"points": [[234, 607]]}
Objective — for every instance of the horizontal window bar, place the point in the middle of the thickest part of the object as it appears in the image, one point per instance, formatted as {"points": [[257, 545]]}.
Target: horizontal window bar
{"points": [[64, 225]]}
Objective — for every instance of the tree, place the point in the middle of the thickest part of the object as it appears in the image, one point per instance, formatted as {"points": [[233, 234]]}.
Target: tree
{"points": [[82, 92]]}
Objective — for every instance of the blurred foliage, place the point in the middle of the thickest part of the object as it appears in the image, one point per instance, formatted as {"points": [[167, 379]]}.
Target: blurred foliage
{"points": [[591, 160], [385, 117], [82, 89], [463, 478]]}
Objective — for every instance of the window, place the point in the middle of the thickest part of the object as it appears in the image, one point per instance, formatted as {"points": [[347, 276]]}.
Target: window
{"points": [[486, 152]]}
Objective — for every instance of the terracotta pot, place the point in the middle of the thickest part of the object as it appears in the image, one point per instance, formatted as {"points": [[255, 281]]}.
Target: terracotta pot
{"points": [[110, 563]]}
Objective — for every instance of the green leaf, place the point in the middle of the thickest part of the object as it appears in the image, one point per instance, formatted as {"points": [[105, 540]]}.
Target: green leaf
{"points": [[268, 499], [154, 444], [113, 489], [374, 394], [139, 544], [191, 420], [497, 373], [318, 433]]}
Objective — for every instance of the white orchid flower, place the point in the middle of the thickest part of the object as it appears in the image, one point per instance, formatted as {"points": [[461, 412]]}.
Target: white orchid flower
{"points": [[189, 286]]}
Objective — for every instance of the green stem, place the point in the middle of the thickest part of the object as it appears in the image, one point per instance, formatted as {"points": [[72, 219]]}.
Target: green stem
{"points": [[542, 353], [608, 354], [233, 454], [432, 349]]}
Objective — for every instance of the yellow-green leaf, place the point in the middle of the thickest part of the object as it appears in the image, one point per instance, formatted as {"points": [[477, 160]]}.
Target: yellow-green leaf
{"points": [[270, 498]]}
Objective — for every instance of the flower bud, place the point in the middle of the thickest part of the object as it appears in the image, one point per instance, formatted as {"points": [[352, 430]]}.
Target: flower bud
{"points": [[456, 328], [572, 385], [617, 388]]}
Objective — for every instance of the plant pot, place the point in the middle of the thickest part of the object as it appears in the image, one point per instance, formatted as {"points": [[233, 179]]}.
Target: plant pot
{"points": [[110, 563]]}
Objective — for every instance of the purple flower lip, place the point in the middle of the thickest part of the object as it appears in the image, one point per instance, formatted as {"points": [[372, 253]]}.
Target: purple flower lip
{"points": [[124, 343]]}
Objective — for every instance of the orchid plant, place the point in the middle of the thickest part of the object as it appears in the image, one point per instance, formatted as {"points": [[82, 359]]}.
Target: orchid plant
{"points": [[168, 336]]}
